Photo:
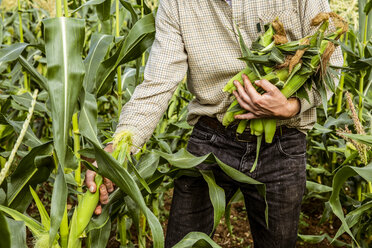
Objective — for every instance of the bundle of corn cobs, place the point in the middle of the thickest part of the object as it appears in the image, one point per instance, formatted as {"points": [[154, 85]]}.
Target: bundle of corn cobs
{"points": [[287, 65]]}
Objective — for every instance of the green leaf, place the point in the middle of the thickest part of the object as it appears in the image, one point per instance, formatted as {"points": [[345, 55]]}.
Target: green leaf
{"points": [[139, 38], [103, 10], [362, 138], [217, 196], [26, 99], [110, 168], [368, 7], [185, 160], [99, 45], [17, 233], [91, 2], [88, 118], [35, 227], [4, 232], [34, 168], [196, 239], [39, 79], [59, 199], [354, 217], [338, 181], [317, 188], [12, 52], [131, 10], [98, 238], [315, 239], [30, 138], [45, 220], [64, 39]]}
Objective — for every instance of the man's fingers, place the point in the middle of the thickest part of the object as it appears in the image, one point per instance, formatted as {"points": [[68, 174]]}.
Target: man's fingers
{"points": [[242, 103], [247, 116], [251, 91], [89, 180], [244, 96], [98, 210], [103, 194], [109, 184], [266, 85]]}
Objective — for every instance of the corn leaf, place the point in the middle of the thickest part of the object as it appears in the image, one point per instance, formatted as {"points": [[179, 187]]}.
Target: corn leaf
{"points": [[97, 51], [315, 239], [88, 117], [131, 10], [34, 168], [91, 2], [98, 238], [35, 227], [59, 198], [64, 39], [354, 216], [368, 7], [109, 167], [185, 160], [12, 52], [17, 233], [139, 38], [196, 239], [45, 220], [4, 232], [338, 181], [39, 79], [217, 196]]}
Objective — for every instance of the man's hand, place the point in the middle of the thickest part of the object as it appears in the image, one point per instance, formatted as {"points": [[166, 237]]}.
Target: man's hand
{"points": [[270, 104], [104, 190]]}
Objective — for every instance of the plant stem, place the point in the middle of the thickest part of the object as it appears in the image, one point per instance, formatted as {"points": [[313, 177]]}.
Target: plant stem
{"points": [[361, 90], [65, 7], [21, 39], [75, 130], [59, 8], [117, 28], [142, 15], [342, 79], [20, 22], [22, 134]]}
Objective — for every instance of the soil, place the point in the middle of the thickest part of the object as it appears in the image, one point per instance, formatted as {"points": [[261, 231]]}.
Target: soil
{"points": [[240, 238]]}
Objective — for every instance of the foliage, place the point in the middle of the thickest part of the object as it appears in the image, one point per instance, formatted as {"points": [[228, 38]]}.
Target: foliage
{"points": [[85, 65]]}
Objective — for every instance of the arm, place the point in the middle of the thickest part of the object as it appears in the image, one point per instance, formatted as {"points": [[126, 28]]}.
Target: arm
{"points": [[166, 67]]}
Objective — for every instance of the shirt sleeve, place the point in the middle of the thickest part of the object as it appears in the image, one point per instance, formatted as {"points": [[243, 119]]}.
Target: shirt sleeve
{"points": [[165, 68], [308, 10]]}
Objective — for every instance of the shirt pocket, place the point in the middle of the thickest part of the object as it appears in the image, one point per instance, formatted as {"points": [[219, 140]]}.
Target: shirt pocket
{"points": [[289, 17]]}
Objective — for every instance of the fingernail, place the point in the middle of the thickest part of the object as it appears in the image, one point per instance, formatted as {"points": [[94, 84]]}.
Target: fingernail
{"points": [[91, 188]]}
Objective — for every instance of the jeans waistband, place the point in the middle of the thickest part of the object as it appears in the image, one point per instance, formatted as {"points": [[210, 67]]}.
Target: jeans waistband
{"points": [[230, 131]]}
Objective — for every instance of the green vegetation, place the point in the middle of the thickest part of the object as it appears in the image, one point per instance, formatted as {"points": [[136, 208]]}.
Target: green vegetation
{"points": [[52, 129]]}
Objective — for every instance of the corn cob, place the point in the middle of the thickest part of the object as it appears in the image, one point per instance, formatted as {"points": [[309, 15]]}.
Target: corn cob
{"points": [[289, 75]]}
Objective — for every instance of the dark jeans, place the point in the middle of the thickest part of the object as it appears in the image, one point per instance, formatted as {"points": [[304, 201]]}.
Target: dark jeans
{"points": [[281, 166]]}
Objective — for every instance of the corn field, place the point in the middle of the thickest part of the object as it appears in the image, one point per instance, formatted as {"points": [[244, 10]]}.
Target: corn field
{"points": [[66, 70]]}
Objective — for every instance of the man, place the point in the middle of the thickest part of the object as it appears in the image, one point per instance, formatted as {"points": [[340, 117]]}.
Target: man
{"points": [[199, 38]]}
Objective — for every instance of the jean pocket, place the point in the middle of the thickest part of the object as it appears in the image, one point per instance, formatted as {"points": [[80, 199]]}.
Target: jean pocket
{"points": [[201, 136], [292, 145]]}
